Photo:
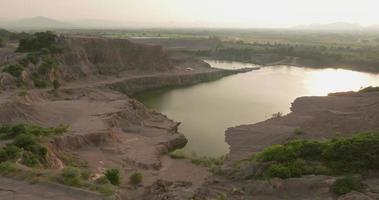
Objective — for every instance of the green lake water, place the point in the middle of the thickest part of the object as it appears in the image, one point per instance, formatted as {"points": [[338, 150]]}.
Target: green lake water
{"points": [[206, 110]]}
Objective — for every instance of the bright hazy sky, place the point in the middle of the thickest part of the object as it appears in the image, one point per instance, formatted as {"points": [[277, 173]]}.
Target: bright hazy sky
{"points": [[252, 13]]}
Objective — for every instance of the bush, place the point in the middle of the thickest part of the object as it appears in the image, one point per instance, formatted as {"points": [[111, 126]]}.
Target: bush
{"points": [[135, 178], [345, 185], [30, 159], [113, 175], [39, 41], [337, 156], [25, 141], [298, 131], [177, 154], [71, 176], [14, 70], [7, 167], [10, 152]]}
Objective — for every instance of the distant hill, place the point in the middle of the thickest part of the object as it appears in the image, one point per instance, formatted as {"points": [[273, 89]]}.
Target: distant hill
{"points": [[331, 26], [39, 23]]}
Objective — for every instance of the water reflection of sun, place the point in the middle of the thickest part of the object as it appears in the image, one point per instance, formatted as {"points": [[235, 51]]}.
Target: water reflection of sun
{"points": [[336, 80]]}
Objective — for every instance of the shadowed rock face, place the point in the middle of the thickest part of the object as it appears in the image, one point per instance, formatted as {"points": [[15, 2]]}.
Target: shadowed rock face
{"points": [[108, 56]]}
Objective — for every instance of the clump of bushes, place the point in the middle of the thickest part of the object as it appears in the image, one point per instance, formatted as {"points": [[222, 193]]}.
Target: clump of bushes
{"points": [[14, 70], [26, 143], [47, 41], [71, 176], [355, 154], [136, 178], [113, 175], [346, 184]]}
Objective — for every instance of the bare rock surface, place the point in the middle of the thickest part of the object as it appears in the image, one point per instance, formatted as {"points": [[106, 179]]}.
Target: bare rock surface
{"points": [[317, 117]]}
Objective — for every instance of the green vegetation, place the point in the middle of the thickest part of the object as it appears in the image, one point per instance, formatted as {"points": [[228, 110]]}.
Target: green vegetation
{"points": [[177, 154], [369, 89], [40, 41], [14, 70], [136, 178], [2, 42], [298, 131], [71, 176], [346, 184], [27, 143], [338, 156], [113, 175], [209, 162]]}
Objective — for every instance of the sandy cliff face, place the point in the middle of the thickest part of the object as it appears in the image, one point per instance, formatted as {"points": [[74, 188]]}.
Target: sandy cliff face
{"points": [[89, 56]]}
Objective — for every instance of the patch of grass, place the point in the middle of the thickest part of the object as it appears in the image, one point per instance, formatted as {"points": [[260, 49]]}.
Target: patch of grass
{"points": [[22, 93], [346, 184], [177, 154], [113, 175], [298, 131], [136, 178], [206, 161]]}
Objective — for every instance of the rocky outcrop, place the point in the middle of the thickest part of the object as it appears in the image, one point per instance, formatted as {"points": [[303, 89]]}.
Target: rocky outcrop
{"points": [[92, 56], [140, 84]]}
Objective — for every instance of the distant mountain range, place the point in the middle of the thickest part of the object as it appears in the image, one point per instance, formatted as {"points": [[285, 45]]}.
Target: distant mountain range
{"points": [[342, 26], [41, 22], [38, 22]]}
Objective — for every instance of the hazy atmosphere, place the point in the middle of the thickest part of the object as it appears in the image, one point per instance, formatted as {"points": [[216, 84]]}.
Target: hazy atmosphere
{"points": [[214, 13], [189, 99]]}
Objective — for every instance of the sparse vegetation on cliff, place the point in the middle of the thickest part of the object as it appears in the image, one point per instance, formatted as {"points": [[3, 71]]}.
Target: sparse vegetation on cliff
{"points": [[27, 143], [40, 41], [338, 156], [346, 184]]}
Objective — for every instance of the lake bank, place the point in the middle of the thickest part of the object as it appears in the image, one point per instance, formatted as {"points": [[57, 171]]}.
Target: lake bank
{"points": [[208, 109]]}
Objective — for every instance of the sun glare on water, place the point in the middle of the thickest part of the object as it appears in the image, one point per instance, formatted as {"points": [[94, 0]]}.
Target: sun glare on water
{"points": [[336, 80]]}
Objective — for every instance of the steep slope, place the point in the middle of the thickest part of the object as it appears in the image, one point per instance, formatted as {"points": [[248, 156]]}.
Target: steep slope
{"points": [[89, 56]]}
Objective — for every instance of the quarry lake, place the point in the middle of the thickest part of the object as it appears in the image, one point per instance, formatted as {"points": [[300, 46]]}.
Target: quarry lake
{"points": [[206, 110]]}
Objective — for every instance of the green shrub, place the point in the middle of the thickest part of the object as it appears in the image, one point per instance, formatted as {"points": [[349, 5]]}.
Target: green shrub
{"points": [[135, 178], [39, 41], [14, 70], [298, 131], [278, 170], [7, 167], [177, 154], [337, 156], [10, 152], [25, 141], [113, 175], [71, 176], [29, 159], [345, 185], [22, 93]]}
